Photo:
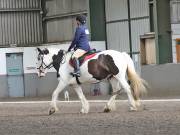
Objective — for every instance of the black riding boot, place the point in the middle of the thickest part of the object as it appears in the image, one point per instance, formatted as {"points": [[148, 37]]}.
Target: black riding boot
{"points": [[76, 68]]}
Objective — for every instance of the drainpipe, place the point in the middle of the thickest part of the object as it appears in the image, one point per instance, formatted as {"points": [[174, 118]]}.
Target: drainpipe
{"points": [[129, 24], [106, 45]]}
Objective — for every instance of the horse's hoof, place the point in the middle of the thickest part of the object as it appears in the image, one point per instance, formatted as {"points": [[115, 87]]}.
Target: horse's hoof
{"points": [[83, 111], [138, 103], [132, 109], [107, 110], [51, 111]]}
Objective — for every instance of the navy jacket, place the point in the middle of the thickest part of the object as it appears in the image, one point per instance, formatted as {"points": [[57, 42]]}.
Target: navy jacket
{"points": [[80, 40]]}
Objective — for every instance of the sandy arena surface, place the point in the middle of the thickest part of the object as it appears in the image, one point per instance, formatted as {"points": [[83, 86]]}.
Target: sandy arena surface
{"points": [[153, 118]]}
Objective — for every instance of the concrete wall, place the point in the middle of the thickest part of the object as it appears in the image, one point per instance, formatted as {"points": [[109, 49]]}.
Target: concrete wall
{"points": [[35, 86], [164, 80], [3, 86]]}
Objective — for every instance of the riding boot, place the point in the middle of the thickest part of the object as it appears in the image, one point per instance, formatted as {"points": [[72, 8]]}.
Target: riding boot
{"points": [[76, 67]]}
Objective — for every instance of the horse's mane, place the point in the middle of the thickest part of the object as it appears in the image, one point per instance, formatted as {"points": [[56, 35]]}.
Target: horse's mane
{"points": [[58, 58]]}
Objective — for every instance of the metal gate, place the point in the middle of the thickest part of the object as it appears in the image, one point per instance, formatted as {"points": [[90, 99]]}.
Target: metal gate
{"points": [[14, 65], [126, 20]]}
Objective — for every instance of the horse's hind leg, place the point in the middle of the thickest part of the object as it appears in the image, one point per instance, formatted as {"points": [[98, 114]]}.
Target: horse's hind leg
{"points": [[111, 105], [84, 102], [127, 89]]}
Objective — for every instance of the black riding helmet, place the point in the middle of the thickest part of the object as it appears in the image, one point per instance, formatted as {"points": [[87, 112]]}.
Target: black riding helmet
{"points": [[81, 19]]}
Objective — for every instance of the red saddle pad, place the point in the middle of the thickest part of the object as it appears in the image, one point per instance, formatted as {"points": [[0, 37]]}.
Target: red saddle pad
{"points": [[82, 60]]}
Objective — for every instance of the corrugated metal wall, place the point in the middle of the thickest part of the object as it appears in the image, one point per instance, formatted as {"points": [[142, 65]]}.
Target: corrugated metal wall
{"points": [[139, 13], [20, 22], [140, 24], [117, 36], [116, 10], [117, 25], [175, 11], [59, 22], [138, 27], [126, 20]]}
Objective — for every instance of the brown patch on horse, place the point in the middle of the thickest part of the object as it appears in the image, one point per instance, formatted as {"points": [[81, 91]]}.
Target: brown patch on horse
{"points": [[102, 67]]}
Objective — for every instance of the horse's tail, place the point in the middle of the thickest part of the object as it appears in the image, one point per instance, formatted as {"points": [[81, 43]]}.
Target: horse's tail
{"points": [[138, 85]]}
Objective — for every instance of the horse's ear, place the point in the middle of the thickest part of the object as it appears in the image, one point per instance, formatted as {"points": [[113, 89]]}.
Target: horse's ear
{"points": [[61, 52], [39, 50], [45, 51]]}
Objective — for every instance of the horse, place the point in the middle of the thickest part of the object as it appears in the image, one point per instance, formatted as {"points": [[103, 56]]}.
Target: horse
{"points": [[114, 66]]}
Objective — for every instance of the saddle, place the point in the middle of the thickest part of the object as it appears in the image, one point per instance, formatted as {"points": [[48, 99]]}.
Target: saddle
{"points": [[84, 57]]}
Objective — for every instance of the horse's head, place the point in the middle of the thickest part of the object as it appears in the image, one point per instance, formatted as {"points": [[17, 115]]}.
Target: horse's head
{"points": [[47, 59], [42, 61]]}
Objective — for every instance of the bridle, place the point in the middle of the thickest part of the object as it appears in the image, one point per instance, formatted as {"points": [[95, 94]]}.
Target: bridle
{"points": [[43, 65]]}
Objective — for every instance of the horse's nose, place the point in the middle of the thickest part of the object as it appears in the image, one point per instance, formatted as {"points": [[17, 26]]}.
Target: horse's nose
{"points": [[41, 75], [38, 74]]}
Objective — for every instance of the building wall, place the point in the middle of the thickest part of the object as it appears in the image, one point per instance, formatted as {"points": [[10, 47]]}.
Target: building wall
{"points": [[163, 80], [35, 86], [3, 89], [175, 34], [20, 22], [97, 20], [59, 24], [30, 22], [117, 25], [163, 31], [175, 25], [126, 21]]}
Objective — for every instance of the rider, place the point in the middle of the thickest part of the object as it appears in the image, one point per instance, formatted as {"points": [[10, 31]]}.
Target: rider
{"points": [[80, 43]]}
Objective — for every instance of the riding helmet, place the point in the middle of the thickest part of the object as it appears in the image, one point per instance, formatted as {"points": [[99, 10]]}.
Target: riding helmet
{"points": [[81, 19]]}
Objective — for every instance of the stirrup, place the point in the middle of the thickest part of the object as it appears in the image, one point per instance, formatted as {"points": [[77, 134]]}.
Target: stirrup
{"points": [[77, 74]]}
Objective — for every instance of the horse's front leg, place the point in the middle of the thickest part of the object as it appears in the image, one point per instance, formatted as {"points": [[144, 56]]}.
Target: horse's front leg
{"points": [[55, 94], [111, 104], [84, 102]]}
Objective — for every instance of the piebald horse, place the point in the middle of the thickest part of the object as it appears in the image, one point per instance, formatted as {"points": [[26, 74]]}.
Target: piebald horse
{"points": [[109, 64]]}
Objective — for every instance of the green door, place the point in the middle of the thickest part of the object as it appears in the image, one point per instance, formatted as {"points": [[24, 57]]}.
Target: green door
{"points": [[162, 28], [14, 66]]}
